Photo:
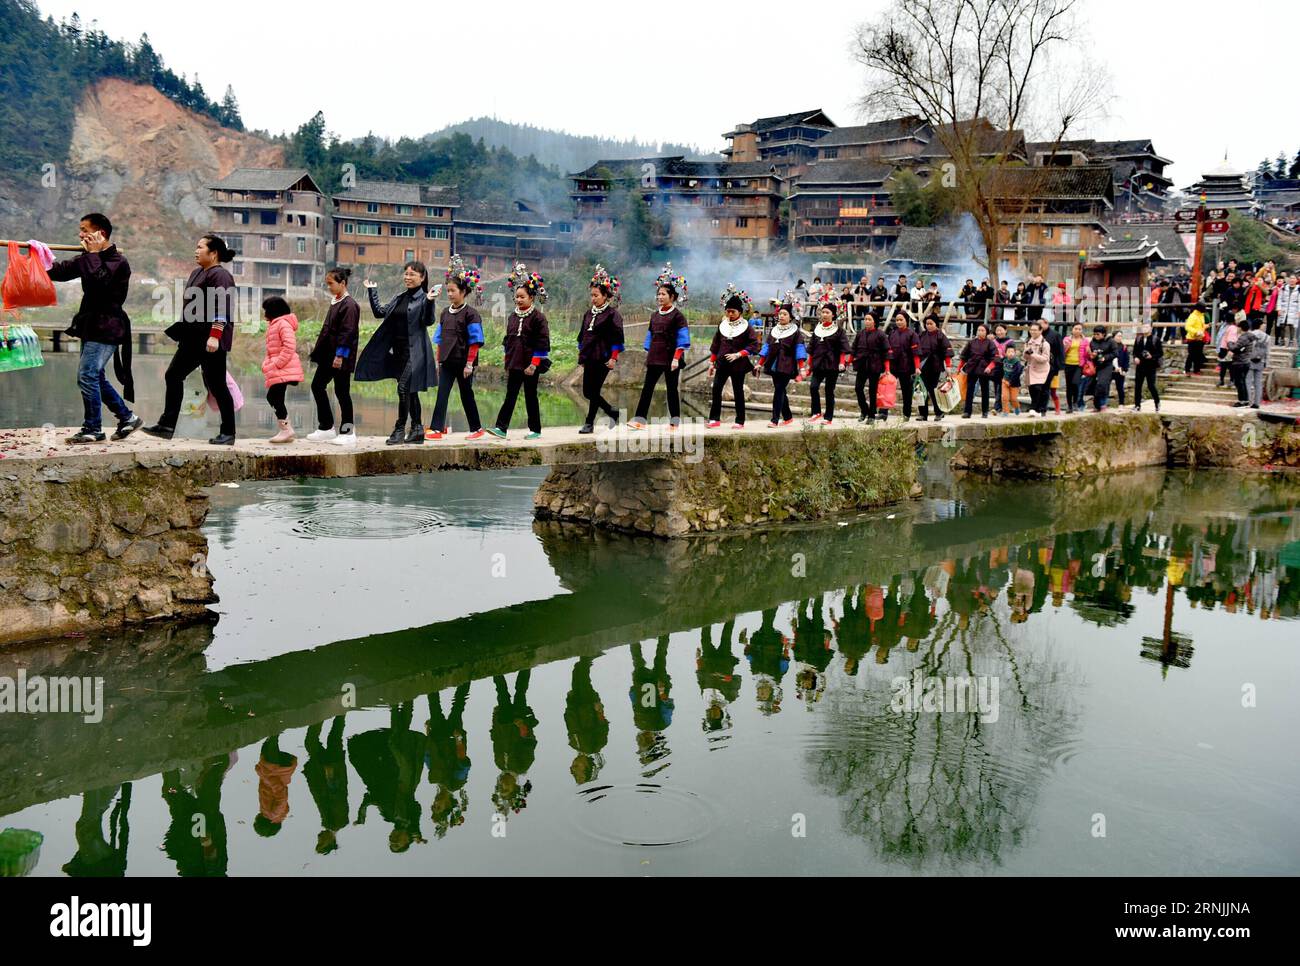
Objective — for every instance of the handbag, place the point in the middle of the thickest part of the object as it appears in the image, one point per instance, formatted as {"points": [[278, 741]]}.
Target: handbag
{"points": [[948, 394], [887, 391], [26, 284]]}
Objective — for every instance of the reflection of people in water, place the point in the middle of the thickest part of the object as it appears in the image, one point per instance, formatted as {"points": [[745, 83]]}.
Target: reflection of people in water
{"points": [[584, 716], [274, 770], [447, 755], [917, 620], [196, 838], [812, 648], [652, 703], [514, 744], [326, 772], [768, 652], [96, 856], [389, 762], [715, 669]]}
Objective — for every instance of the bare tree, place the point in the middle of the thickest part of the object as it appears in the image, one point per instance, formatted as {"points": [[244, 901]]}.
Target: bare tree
{"points": [[981, 73]]}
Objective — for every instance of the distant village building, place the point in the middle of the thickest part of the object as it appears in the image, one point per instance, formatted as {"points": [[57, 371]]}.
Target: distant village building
{"points": [[388, 223], [494, 237], [731, 206], [899, 137], [1141, 185], [787, 141], [1224, 187], [274, 220], [1047, 216], [931, 254], [844, 206]]}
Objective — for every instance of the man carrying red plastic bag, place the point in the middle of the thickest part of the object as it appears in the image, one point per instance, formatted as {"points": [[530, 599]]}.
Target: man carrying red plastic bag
{"points": [[102, 325]]}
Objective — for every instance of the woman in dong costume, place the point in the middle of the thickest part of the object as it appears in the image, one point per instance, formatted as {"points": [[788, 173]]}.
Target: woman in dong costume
{"points": [[784, 355], [869, 351], [732, 355], [827, 357], [527, 347], [459, 336], [666, 342], [600, 340]]}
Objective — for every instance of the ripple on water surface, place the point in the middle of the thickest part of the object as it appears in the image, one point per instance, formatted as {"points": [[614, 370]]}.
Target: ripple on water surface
{"points": [[329, 513], [643, 815]]}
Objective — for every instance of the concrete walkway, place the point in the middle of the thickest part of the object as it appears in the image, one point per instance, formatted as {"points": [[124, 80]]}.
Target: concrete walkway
{"points": [[558, 444]]}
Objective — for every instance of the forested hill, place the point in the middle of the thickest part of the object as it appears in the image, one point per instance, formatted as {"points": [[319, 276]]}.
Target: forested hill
{"points": [[567, 152], [45, 68]]}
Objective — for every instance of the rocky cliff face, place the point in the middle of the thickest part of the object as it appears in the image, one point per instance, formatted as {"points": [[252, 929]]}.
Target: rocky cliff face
{"points": [[142, 160]]}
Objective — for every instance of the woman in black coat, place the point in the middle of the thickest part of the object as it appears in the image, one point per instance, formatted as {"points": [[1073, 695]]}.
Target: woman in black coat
{"points": [[869, 350], [732, 353], [527, 346], [335, 355], [827, 355], [978, 358], [936, 351], [400, 349]]}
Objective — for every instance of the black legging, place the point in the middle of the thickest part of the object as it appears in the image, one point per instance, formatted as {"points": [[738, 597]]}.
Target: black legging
{"points": [[866, 402], [1195, 356], [906, 383], [342, 390], [983, 381], [930, 380], [453, 371], [275, 396], [652, 374], [190, 356], [408, 404], [1072, 400], [514, 379], [594, 375], [1146, 375], [827, 379], [1038, 398], [737, 379], [780, 398]]}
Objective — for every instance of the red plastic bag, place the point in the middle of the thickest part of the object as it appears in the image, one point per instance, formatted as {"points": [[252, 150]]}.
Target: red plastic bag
{"points": [[887, 391], [27, 285]]}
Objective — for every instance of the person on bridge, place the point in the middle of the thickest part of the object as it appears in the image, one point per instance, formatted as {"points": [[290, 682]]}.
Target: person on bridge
{"points": [[978, 357], [1076, 361], [281, 367], [869, 351], [459, 336], [600, 341], [103, 327], [1057, 346], [335, 354], [904, 358], [784, 355], [827, 359], [527, 347], [732, 354], [936, 352], [666, 341], [1147, 352], [204, 335], [400, 350], [1038, 370], [1102, 353]]}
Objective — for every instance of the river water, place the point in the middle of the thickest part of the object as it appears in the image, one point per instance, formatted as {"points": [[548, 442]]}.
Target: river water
{"points": [[410, 676]]}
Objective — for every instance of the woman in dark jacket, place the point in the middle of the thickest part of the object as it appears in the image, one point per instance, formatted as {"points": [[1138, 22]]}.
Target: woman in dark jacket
{"points": [[904, 357], [527, 346], [830, 351], [335, 355], [978, 357], [600, 340], [732, 354], [935, 351], [401, 350], [783, 357], [869, 351], [666, 340], [204, 335], [1147, 352], [458, 337]]}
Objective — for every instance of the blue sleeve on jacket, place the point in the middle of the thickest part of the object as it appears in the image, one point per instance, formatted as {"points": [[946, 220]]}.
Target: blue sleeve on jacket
{"points": [[343, 352], [616, 348], [762, 353], [647, 339], [474, 332], [437, 334], [800, 352], [684, 337]]}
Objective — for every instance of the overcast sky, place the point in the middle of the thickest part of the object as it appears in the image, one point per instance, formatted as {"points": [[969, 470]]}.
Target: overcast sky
{"points": [[1198, 78]]}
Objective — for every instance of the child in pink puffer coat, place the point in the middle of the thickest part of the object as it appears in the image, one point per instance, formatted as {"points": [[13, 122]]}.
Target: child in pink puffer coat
{"points": [[281, 367]]}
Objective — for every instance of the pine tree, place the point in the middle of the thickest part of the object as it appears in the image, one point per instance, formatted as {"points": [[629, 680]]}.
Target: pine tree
{"points": [[1294, 171], [1279, 165], [229, 113]]}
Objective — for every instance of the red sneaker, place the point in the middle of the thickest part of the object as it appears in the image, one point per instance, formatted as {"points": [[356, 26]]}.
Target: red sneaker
{"points": [[787, 422], [713, 424], [737, 425], [772, 425], [433, 434], [477, 434], [814, 419]]}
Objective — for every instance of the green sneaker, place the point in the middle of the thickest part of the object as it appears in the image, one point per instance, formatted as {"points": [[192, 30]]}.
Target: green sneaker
{"points": [[533, 436], [498, 433]]}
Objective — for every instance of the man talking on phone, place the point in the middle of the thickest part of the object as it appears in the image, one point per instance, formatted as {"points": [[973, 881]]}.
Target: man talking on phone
{"points": [[102, 325]]}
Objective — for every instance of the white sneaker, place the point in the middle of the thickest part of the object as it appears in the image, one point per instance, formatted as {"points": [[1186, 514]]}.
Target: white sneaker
{"points": [[345, 439], [321, 435]]}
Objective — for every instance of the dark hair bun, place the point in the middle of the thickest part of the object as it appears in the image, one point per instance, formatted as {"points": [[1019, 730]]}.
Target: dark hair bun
{"points": [[341, 275]]}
